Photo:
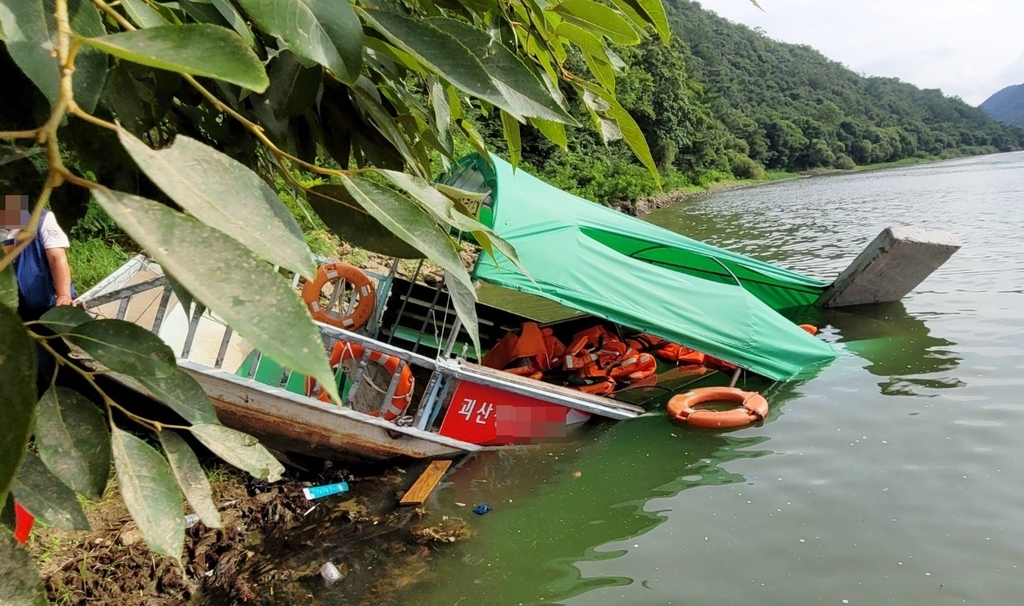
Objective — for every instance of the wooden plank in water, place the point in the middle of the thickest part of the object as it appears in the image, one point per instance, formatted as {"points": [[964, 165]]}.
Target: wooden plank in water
{"points": [[426, 483]]}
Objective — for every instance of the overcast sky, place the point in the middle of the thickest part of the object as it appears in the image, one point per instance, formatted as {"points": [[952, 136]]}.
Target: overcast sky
{"points": [[969, 48]]}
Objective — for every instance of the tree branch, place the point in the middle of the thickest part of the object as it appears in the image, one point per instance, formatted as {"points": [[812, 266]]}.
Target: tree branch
{"points": [[19, 134]]}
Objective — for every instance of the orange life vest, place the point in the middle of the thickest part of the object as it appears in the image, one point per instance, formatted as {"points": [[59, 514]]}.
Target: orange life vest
{"points": [[634, 367], [683, 356], [646, 342]]}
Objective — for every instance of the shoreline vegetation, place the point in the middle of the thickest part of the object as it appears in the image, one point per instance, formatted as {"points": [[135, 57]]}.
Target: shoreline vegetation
{"points": [[98, 247]]}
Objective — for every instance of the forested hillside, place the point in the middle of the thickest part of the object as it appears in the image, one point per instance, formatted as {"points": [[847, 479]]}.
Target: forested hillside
{"points": [[1007, 106], [724, 100]]}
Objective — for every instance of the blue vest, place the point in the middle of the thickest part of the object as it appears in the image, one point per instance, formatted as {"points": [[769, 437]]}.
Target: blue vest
{"points": [[32, 270]]}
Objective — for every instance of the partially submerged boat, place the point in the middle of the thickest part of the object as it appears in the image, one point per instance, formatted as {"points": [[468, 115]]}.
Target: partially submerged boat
{"points": [[435, 399]]}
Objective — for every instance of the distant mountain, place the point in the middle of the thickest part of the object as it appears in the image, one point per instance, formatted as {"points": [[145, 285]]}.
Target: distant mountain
{"points": [[1007, 105], [722, 99]]}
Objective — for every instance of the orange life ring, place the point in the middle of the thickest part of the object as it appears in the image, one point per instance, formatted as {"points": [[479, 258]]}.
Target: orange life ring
{"points": [[752, 407], [332, 272], [343, 351]]}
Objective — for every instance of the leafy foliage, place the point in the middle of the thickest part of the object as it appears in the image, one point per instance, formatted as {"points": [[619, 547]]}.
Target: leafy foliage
{"points": [[173, 117]]}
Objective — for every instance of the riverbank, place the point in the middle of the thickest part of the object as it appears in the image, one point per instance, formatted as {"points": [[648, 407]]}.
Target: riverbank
{"points": [[649, 204], [269, 550]]}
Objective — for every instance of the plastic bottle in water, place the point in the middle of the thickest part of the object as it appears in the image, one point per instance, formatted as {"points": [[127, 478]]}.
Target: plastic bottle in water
{"points": [[191, 520]]}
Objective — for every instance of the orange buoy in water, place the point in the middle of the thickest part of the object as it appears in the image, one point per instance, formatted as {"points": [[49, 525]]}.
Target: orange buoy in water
{"points": [[810, 328], [752, 407]]}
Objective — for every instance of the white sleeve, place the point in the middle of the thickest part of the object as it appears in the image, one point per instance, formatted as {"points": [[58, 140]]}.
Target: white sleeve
{"points": [[53, 236]]}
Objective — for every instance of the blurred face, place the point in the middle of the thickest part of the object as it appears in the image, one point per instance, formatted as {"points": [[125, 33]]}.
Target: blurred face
{"points": [[15, 211]]}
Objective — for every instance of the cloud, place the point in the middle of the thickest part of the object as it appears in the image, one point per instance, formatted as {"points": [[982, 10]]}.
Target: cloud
{"points": [[968, 48]]}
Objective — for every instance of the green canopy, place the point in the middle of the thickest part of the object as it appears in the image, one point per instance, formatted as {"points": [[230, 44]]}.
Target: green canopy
{"points": [[625, 270]]}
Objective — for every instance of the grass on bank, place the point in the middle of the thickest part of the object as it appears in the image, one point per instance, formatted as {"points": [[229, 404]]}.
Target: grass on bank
{"points": [[92, 260]]}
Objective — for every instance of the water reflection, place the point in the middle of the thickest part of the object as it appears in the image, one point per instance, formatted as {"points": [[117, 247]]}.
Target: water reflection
{"points": [[555, 507], [897, 345]]}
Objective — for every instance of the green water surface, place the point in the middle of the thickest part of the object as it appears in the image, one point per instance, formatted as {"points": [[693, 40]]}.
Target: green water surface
{"points": [[893, 476]]}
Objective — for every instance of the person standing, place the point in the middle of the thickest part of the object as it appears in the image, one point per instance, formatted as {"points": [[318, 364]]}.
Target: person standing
{"points": [[42, 272]]}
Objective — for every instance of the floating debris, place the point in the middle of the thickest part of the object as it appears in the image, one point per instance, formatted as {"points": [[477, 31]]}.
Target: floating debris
{"points": [[318, 492]]}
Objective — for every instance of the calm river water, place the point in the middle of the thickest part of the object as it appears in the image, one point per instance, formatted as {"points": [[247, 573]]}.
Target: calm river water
{"points": [[894, 476]]}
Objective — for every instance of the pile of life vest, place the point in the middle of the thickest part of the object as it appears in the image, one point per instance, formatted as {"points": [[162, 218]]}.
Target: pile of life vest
{"points": [[596, 361]]}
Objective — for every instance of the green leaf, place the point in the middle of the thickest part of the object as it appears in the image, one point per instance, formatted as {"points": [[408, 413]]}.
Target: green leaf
{"points": [[438, 50], [64, 317], [324, 31], [224, 193], [199, 49], [183, 394], [466, 202], [654, 12], [203, 12], [343, 216], [554, 131], [584, 39], [17, 393], [473, 136], [441, 202], [235, 20], [387, 126], [442, 112], [150, 493], [44, 496], [124, 347], [191, 477], [31, 31], [593, 52], [515, 144], [602, 70], [599, 19], [9, 288], [634, 137], [20, 583], [74, 441], [345, 31], [522, 90], [409, 222], [464, 300], [239, 449], [229, 279], [142, 14], [181, 293], [293, 86]]}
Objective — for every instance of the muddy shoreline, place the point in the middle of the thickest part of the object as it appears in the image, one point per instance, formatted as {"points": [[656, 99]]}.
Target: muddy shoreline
{"points": [[269, 550]]}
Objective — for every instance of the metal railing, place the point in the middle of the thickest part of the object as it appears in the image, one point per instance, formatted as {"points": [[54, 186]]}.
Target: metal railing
{"points": [[424, 408]]}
